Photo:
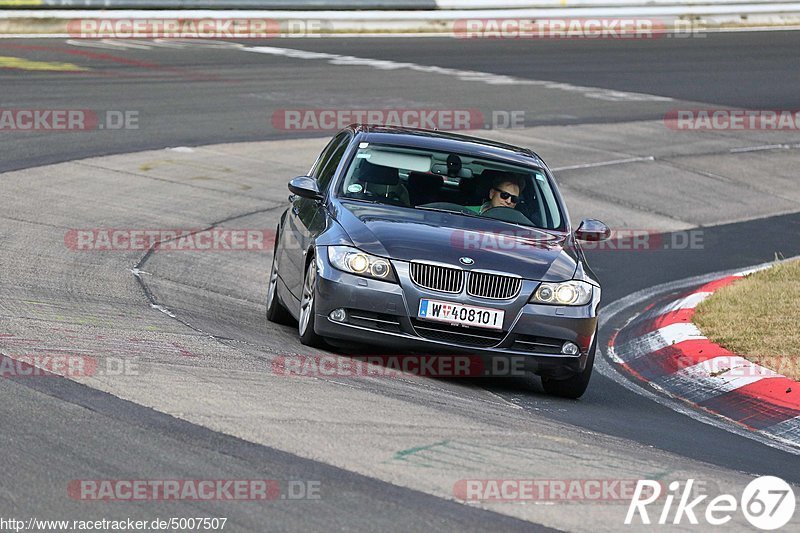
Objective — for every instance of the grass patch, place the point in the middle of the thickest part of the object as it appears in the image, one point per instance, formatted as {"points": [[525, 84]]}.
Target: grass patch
{"points": [[758, 317]]}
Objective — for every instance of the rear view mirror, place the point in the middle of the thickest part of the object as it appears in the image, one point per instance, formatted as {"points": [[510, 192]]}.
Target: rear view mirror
{"points": [[442, 170], [592, 230]]}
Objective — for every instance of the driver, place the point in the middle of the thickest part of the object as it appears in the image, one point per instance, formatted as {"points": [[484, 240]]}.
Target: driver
{"points": [[504, 192]]}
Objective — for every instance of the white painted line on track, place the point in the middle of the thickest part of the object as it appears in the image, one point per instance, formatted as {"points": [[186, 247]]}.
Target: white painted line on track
{"points": [[463, 75], [163, 310], [759, 148], [113, 44], [503, 400], [606, 163], [749, 271]]}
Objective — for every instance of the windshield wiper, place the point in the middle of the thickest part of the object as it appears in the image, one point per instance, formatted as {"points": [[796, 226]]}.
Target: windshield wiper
{"points": [[361, 200], [466, 212], [440, 210]]}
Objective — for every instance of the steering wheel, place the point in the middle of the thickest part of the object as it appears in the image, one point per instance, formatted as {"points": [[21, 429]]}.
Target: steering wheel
{"points": [[507, 214], [392, 198]]}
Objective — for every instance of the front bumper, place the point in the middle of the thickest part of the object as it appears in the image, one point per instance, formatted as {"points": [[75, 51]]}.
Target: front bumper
{"points": [[383, 313]]}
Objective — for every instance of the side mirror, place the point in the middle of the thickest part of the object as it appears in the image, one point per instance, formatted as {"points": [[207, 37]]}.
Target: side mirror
{"points": [[305, 187], [592, 230]]}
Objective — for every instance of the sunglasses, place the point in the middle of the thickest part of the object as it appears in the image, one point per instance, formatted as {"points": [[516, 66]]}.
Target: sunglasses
{"points": [[506, 195]]}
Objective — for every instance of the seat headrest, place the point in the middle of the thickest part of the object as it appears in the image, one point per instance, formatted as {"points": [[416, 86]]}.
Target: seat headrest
{"points": [[378, 174]]}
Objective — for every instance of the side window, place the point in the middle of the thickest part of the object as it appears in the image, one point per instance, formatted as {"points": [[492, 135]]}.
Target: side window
{"points": [[328, 168], [324, 157], [550, 204]]}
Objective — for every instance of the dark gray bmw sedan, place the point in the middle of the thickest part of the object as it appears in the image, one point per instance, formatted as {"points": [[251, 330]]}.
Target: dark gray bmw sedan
{"points": [[424, 240]]}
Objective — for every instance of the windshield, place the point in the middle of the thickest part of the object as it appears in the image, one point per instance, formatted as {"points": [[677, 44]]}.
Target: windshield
{"points": [[471, 186]]}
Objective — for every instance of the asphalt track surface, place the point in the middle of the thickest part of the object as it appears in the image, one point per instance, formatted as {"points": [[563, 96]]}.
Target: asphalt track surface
{"points": [[202, 95]]}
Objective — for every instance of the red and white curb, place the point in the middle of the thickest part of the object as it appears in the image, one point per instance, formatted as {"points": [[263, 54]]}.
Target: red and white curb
{"points": [[661, 346]]}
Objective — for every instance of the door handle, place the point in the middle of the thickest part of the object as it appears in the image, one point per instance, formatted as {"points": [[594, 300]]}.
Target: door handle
{"points": [[295, 210]]}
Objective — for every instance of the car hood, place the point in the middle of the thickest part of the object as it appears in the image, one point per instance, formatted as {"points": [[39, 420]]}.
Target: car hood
{"points": [[406, 234]]}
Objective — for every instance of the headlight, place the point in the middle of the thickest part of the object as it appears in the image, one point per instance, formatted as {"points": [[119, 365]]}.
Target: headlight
{"points": [[357, 262], [566, 293]]}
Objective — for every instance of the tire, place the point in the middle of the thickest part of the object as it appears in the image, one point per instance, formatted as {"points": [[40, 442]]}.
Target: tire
{"points": [[305, 322], [573, 387], [276, 312]]}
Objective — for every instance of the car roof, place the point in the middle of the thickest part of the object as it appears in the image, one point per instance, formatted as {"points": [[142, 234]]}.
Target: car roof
{"points": [[446, 142]]}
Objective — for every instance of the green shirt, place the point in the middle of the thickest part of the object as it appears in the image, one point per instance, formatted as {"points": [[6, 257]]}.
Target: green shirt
{"points": [[479, 208]]}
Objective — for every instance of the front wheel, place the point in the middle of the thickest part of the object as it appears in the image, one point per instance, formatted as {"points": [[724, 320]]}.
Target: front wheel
{"points": [[305, 324], [573, 387]]}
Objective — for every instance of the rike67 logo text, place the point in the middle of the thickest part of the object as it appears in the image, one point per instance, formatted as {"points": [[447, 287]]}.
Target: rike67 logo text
{"points": [[767, 503]]}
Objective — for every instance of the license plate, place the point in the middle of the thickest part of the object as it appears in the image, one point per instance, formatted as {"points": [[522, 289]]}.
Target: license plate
{"points": [[463, 315]]}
